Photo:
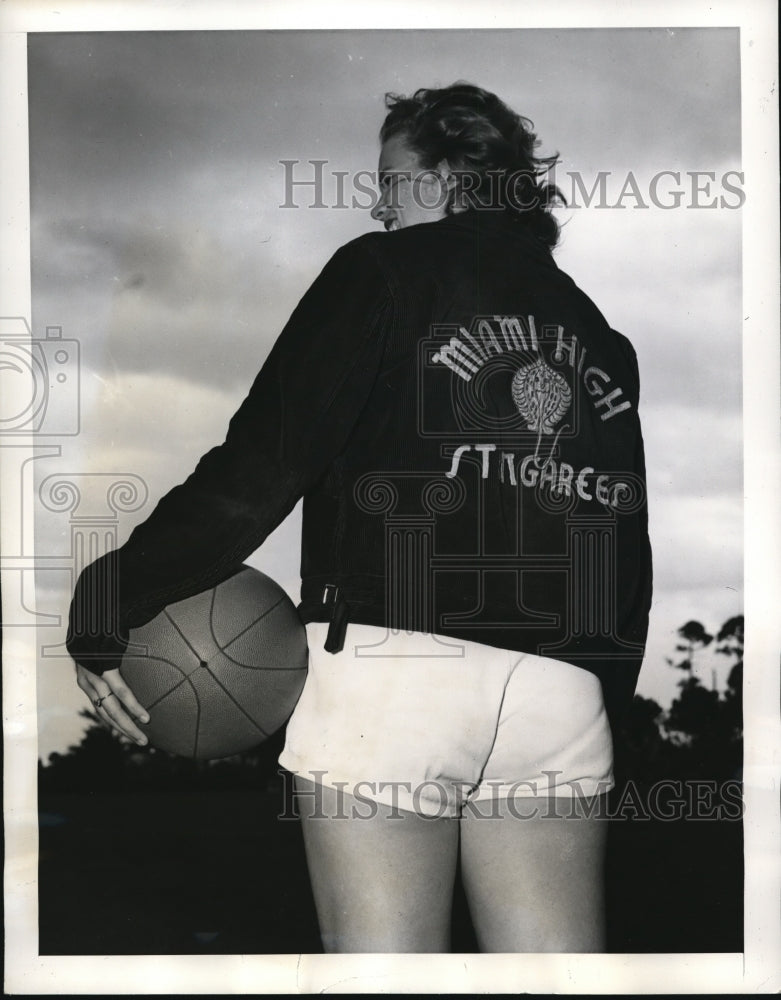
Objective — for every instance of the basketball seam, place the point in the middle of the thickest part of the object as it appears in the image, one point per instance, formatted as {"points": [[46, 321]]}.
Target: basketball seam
{"points": [[244, 666], [238, 705], [186, 641], [197, 716], [184, 680], [165, 694], [224, 649], [252, 624]]}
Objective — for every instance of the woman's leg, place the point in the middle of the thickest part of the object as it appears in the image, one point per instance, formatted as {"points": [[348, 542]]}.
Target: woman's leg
{"points": [[535, 884], [383, 882]]}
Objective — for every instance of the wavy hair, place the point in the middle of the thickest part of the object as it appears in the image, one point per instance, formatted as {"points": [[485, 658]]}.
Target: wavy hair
{"points": [[488, 146]]}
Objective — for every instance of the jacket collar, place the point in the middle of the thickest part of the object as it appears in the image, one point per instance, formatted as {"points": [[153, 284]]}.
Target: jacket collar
{"points": [[483, 222]]}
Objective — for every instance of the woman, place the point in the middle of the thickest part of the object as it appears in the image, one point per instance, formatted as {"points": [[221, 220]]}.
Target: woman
{"points": [[462, 424]]}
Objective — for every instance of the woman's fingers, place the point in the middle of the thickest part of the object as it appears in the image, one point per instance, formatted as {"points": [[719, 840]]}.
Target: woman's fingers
{"points": [[114, 703], [117, 684], [114, 711], [122, 707]]}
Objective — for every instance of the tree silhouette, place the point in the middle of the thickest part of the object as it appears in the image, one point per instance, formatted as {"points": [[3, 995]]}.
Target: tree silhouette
{"points": [[703, 722], [730, 639], [98, 761], [700, 735], [103, 760], [642, 751], [693, 637]]}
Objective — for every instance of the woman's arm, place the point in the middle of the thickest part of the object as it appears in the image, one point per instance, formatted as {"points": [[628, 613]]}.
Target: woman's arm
{"points": [[297, 417]]}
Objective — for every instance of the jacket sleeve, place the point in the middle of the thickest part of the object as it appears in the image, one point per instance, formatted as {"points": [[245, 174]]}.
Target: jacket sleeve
{"points": [[296, 419]]}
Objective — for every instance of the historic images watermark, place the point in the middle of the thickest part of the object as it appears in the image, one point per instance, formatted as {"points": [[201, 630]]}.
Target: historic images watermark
{"points": [[41, 407], [47, 372], [668, 800], [313, 184]]}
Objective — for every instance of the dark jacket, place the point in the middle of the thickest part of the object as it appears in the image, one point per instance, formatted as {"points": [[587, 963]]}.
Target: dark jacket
{"points": [[462, 424]]}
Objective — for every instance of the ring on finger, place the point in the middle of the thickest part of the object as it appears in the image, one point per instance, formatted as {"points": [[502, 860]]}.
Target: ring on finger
{"points": [[97, 702]]}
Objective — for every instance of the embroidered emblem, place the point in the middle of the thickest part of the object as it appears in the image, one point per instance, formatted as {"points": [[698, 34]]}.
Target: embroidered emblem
{"points": [[541, 395]]}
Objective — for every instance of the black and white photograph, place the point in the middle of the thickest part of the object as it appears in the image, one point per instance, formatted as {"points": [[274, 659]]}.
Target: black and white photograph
{"points": [[389, 451]]}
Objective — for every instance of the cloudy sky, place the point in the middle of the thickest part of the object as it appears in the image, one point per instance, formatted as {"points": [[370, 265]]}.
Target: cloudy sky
{"points": [[160, 244]]}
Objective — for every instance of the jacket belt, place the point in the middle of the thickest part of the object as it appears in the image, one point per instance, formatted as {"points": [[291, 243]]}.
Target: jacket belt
{"points": [[339, 618]]}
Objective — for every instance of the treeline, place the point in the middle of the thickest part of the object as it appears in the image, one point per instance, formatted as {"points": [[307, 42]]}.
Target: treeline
{"points": [[700, 736]]}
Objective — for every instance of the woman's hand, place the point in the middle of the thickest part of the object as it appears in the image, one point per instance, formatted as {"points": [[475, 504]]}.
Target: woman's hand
{"points": [[114, 703]]}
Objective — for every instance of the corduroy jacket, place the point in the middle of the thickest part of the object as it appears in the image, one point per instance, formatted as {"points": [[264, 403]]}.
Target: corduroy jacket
{"points": [[462, 424]]}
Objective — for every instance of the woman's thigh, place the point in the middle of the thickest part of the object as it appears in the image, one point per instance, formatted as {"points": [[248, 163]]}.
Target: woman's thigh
{"points": [[382, 878], [533, 873]]}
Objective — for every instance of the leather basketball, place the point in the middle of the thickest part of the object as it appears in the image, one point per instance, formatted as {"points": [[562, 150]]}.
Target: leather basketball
{"points": [[221, 671]]}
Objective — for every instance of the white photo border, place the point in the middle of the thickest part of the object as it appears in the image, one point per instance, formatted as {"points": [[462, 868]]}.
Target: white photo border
{"points": [[758, 969]]}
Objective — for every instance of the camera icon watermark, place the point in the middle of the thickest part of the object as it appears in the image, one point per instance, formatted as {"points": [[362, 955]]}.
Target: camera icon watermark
{"points": [[41, 375]]}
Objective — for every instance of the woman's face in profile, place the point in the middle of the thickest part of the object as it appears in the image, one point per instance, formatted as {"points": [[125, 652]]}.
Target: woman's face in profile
{"points": [[409, 193]]}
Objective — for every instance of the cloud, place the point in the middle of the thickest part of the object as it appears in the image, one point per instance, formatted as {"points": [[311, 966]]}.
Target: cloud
{"points": [[170, 299], [166, 148], [698, 542], [671, 282], [152, 107], [691, 453]]}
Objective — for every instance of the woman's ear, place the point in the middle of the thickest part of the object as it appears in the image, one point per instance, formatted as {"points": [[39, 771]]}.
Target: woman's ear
{"points": [[447, 175], [449, 180]]}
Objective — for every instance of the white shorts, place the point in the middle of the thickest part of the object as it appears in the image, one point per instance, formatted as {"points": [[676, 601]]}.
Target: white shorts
{"points": [[428, 724]]}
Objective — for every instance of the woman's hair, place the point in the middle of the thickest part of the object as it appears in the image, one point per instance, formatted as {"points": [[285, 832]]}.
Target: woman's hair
{"points": [[488, 146]]}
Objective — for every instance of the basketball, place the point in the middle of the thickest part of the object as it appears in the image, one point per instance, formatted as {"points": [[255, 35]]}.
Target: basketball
{"points": [[220, 672]]}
